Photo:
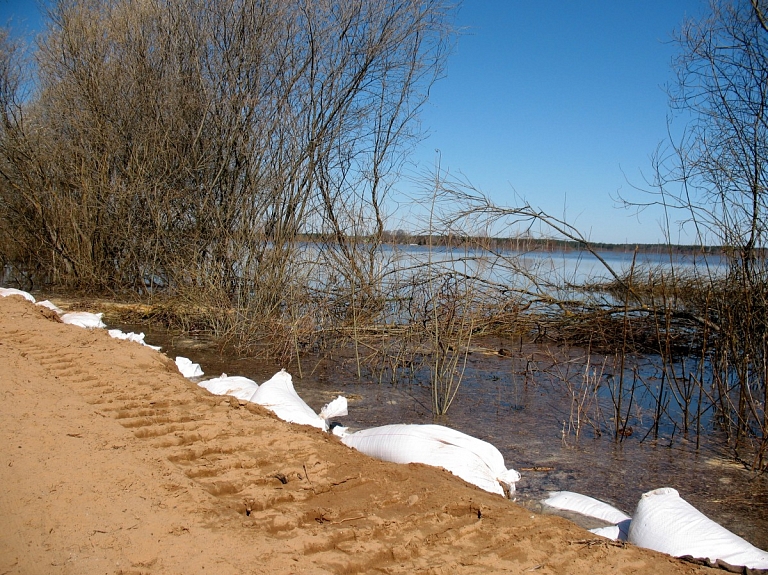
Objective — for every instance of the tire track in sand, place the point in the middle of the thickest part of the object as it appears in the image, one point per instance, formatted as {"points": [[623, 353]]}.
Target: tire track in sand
{"points": [[249, 473], [211, 440]]}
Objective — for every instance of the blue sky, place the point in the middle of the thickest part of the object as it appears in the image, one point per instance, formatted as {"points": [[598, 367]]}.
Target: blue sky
{"points": [[20, 14], [559, 103]]}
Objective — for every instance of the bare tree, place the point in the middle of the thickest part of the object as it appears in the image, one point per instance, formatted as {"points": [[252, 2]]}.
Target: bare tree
{"points": [[715, 169], [715, 172], [186, 147]]}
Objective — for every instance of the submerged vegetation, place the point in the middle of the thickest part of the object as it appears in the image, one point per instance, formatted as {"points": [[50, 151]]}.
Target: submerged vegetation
{"points": [[229, 163]]}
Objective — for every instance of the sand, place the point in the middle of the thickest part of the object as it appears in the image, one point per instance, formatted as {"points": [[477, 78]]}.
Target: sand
{"points": [[112, 462]]}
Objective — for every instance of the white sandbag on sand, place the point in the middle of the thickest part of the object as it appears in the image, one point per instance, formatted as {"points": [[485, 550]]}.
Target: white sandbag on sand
{"points": [[84, 319], [279, 396], [4, 292], [474, 460], [187, 368], [235, 385], [591, 507], [665, 522], [131, 336], [614, 532], [51, 306]]}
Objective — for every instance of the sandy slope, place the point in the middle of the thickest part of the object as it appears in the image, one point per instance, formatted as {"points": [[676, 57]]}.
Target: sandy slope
{"points": [[112, 462]]}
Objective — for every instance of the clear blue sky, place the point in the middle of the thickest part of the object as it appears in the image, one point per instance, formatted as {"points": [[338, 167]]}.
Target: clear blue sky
{"points": [[21, 15], [561, 103]]}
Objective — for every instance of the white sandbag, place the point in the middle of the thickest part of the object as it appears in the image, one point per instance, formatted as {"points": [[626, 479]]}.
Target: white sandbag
{"points": [[83, 319], [665, 522], [613, 532], [474, 460], [589, 506], [51, 306], [618, 532], [335, 408], [279, 396], [4, 292], [131, 336], [235, 385], [187, 368]]}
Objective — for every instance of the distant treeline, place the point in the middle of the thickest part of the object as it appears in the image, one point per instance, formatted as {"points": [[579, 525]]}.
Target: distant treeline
{"points": [[524, 243]]}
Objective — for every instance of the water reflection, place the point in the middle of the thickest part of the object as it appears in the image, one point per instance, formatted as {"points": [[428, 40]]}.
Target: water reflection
{"points": [[525, 416]]}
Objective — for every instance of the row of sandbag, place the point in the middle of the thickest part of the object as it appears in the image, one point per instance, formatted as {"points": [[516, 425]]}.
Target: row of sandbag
{"points": [[83, 319], [285, 398], [476, 461], [279, 395], [665, 522], [78, 318]]}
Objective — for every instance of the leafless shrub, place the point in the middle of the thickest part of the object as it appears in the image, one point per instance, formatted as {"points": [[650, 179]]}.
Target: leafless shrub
{"points": [[713, 176], [191, 149]]}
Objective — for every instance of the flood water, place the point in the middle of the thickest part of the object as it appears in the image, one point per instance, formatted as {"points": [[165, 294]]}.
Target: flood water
{"points": [[528, 417]]}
